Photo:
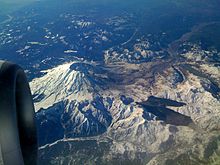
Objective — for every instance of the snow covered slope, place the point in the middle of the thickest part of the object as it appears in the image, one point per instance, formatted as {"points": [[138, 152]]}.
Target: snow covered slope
{"points": [[140, 113], [68, 104]]}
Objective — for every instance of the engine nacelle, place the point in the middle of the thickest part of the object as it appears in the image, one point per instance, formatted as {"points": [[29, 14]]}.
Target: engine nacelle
{"points": [[18, 138]]}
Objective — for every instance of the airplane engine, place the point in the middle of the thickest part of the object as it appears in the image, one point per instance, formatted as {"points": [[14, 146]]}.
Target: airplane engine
{"points": [[18, 138]]}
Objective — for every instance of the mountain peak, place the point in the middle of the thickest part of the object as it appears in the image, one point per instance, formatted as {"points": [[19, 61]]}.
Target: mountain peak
{"points": [[69, 81]]}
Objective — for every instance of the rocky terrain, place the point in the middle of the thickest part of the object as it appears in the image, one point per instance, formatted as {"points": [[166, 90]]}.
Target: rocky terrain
{"points": [[159, 112], [131, 82]]}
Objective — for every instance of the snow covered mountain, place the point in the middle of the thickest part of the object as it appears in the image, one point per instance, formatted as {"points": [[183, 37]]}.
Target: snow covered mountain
{"points": [[65, 82], [114, 113], [129, 82], [66, 100]]}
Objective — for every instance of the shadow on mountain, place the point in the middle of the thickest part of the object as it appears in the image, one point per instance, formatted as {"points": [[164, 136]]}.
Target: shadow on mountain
{"points": [[158, 107]]}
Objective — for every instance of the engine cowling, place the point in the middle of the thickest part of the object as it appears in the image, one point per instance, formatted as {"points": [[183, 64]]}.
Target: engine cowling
{"points": [[18, 138]]}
